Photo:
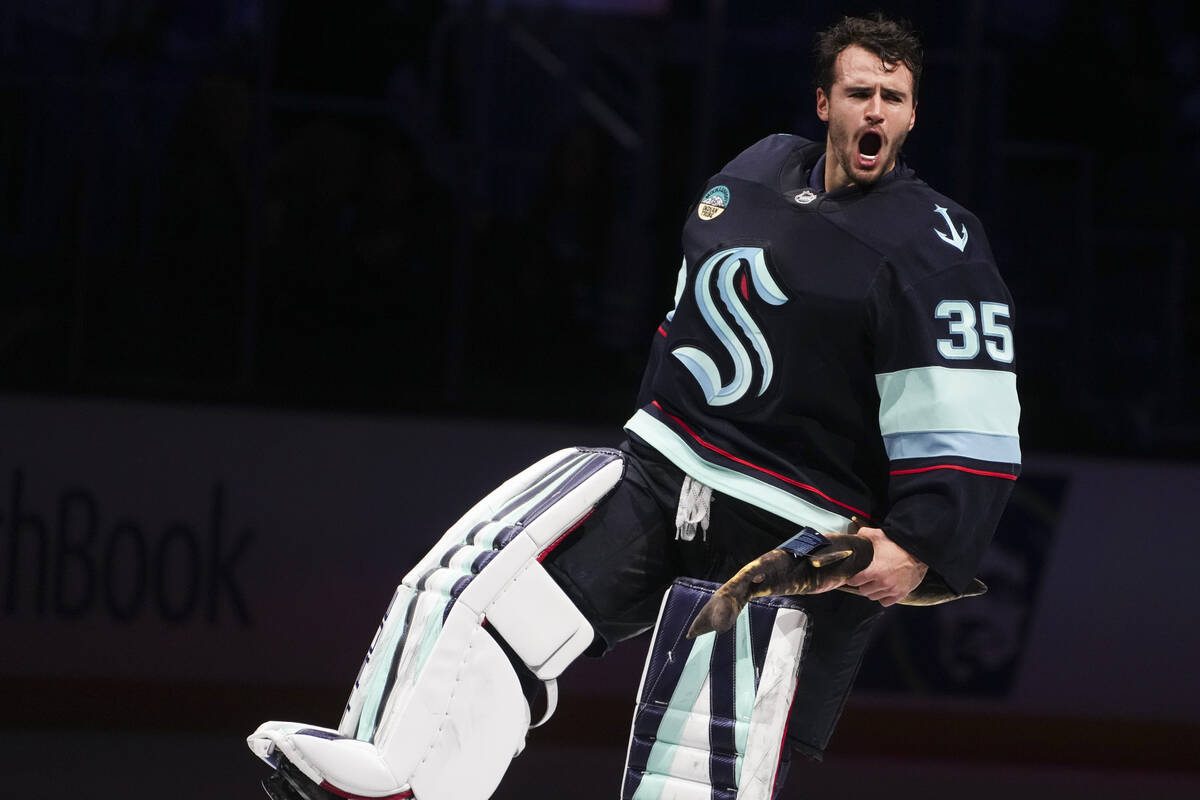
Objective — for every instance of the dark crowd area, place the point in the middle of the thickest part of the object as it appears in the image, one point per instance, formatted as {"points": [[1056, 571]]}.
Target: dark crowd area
{"points": [[473, 208]]}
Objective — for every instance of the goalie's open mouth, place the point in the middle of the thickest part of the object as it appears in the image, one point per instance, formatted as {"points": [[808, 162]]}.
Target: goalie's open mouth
{"points": [[868, 149]]}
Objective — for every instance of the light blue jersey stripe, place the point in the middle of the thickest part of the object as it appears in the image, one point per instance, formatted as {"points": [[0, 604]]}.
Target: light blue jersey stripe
{"points": [[930, 444], [732, 483], [935, 399]]}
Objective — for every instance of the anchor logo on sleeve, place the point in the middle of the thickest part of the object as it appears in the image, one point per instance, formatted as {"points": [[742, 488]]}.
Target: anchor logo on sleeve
{"points": [[954, 238]]}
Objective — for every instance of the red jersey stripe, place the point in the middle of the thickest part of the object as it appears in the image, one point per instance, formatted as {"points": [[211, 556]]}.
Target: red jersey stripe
{"points": [[763, 470], [983, 472]]}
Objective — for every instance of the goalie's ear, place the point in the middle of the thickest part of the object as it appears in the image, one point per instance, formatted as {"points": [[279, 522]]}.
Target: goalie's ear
{"points": [[820, 560]]}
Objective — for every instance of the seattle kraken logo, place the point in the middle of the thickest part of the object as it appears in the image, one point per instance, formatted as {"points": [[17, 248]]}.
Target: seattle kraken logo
{"points": [[726, 264]]}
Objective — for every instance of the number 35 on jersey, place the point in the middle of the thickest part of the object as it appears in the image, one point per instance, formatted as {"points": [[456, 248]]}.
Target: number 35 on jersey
{"points": [[969, 329]]}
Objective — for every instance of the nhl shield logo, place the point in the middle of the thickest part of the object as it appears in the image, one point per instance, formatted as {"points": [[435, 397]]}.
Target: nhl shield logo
{"points": [[714, 202]]}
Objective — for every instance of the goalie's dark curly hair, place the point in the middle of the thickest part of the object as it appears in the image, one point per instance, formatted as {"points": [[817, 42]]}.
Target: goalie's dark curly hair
{"points": [[895, 42]]}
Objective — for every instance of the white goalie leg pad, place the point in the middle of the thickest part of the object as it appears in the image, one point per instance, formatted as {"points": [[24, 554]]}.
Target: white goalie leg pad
{"points": [[712, 712], [437, 711]]}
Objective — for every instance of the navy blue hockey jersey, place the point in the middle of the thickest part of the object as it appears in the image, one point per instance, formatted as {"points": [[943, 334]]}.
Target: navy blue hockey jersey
{"points": [[840, 354]]}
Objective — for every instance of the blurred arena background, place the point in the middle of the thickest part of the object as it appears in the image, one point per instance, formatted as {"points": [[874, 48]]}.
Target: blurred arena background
{"points": [[285, 286]]}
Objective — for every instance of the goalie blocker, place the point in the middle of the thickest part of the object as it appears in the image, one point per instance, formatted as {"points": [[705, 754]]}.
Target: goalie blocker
{"points": [[438, 710]]}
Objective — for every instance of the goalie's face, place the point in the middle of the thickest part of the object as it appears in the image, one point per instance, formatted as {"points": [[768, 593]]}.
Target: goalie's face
{"points": [[869, 110]]}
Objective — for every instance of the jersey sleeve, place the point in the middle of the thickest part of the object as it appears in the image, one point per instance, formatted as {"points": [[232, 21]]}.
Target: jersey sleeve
{"points": [[945, 370]]}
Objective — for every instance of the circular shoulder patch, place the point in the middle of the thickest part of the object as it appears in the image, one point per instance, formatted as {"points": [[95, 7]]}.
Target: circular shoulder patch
{"points": [[714, 202]]}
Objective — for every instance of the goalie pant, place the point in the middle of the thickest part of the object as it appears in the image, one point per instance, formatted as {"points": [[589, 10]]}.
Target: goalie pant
{"points": [[414, 726]]}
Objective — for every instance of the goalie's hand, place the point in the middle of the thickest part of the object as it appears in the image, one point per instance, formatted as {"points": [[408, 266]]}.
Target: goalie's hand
{"points": [[891, 575], [781, 572]]}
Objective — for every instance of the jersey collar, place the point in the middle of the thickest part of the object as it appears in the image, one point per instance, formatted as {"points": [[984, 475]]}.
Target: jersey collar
{"points": [[812, 176]]}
